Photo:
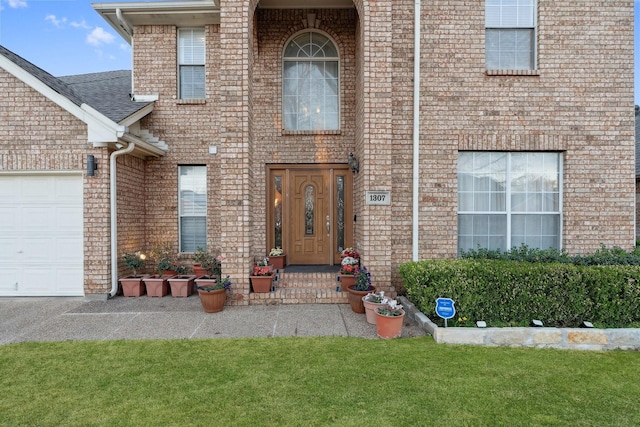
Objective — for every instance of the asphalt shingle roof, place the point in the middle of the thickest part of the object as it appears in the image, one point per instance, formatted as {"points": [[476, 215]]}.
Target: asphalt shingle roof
{"points": [[107, 92], [42, 75]]}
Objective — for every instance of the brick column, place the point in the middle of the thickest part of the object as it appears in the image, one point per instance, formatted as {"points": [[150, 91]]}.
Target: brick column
{"points": [[374, 138], [234, 180]]}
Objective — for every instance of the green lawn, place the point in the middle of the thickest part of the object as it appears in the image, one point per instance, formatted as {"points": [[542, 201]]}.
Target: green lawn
{"points": [[314, 381]]}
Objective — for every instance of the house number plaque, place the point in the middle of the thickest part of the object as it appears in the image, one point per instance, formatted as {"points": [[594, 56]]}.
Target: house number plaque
{"points": [[378, 197]]}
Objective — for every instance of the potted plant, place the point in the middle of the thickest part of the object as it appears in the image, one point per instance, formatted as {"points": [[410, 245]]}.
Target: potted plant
{"points": [[351, 253], [371, 302], [182, 284], [347, 272], [261, 277], [213, 296], [211, 266], [165, 265], [277, 257], [132, 286], [206, 264], [389, 320], [361, 287]]}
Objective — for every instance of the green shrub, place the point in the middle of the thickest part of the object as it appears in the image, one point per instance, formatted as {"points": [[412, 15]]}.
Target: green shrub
{"points": [[603, 256], [512, 293]]}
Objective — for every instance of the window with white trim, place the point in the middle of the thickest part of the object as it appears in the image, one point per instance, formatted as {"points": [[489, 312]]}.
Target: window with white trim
{"points": [[510, 37], [192, 207], [509, 199], [191, 60], [310, 83]]}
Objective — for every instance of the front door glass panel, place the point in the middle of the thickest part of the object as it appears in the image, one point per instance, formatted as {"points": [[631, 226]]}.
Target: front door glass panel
{"points": [[309, 210], [277, 211], [340, 212]]}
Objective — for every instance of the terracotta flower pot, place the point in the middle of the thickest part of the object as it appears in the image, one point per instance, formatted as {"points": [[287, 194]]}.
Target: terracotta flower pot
{"points": [[347, 280], [355, 298], [389, 326], [278, 262], [261, 284], [181, 286], [370, 309], [199, 271], [156, 286], [212, 301], [132, 286]]}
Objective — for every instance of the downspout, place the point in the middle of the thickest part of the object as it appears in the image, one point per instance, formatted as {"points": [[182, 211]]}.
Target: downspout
{"points": [[114, 215], [416, 132], [127, 28]]}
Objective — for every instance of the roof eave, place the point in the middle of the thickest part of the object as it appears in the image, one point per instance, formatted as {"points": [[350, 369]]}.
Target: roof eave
{"points": [[123, 16], [135, 117]]}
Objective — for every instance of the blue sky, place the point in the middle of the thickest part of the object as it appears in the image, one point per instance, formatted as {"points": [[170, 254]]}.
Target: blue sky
{"points": [[62, 36], [68, 37]]}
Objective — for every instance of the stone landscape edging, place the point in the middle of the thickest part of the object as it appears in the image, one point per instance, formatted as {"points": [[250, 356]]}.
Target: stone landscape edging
{"points": [[544, 337]]}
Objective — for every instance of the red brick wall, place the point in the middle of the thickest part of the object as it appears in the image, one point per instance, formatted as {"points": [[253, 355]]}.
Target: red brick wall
{"points": [[579, 103]]}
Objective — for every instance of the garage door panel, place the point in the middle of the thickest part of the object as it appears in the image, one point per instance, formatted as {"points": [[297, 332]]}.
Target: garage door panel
{"points": [[38, 219], [9, 251], [38, 250], [10, 188], [41, 235], [9, 219], [9, 280], [68, 250], [38, 189], [69, 280], [68, 220], [38, 281], [67, 190]]}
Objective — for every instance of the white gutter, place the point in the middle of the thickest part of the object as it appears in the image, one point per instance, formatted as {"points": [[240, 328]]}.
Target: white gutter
{"points": [[127, 29], [123, 23], [114, 214], [416, 132]]}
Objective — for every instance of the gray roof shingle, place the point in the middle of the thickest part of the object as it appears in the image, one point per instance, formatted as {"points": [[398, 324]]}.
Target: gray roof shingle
{"points": [[107, 92], [42, 75]]}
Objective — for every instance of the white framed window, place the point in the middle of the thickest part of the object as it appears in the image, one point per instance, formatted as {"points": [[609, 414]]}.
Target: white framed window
{"points": [[510, 36], [310, 83], [509, 199], [192, 207], [191, 60]]}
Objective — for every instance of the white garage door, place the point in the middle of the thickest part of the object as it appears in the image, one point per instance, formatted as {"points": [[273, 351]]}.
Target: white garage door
{"points": [[41, 247]]}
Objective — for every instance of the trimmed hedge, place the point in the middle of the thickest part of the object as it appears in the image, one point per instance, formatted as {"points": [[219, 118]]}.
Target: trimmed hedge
{"points": [[603, 256], [512, 293]]}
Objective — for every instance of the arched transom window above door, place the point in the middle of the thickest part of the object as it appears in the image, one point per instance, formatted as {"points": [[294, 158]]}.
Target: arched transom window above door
{"points": [[310, 83]]}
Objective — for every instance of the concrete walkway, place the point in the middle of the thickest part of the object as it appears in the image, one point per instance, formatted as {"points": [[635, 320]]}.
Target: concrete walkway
{"points": [[60, 319]]}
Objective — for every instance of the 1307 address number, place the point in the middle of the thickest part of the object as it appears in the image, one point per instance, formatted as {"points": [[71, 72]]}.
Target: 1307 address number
{"points": [[378, 198]]}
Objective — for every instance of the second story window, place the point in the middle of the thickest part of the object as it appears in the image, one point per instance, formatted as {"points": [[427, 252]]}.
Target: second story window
{"points": [[310, 83], [191, 63], [510, 40]]}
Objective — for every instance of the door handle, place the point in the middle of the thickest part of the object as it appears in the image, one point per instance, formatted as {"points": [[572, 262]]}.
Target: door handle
{"points": [[328, 224]]}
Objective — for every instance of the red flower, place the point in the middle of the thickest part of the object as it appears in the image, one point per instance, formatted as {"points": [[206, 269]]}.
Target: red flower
{"points": [[261, 271], [348, 269]]}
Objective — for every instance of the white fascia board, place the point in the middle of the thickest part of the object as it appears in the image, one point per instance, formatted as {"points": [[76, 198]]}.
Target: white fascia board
{"points": [[179, 13], [143, 147], [135, 117], [99, 127]]}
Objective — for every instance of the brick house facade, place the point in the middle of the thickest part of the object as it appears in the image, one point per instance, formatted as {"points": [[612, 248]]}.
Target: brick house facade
{"points": [[575, 102]]}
